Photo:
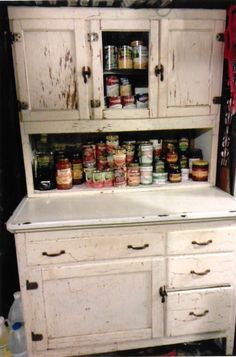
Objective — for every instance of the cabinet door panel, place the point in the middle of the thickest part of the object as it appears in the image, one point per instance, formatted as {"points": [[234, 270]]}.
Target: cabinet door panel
{"points": [[198, 311], [49, 69], [102, 303], [193, 62]]}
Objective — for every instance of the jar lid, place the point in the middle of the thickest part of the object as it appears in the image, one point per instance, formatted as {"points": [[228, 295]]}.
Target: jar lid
{"points": [[136, 43], [200, 163]]}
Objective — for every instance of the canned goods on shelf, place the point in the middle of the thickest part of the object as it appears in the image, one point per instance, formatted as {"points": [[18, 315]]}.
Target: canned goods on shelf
{"points": [[136, 43], [174, 175], [89, 176], [115, 102], [160, 178], [146, 174], [140, 57], [125, 57], [133, 175], [119, 157], [120, 177], [98, 178], [125, 89], [146, 153], [112, 142], [108, 178], [142, 100], [112, 86], [128, 102], [110, 57], [101, 149], [200, 170], [89, 156], [63, 174]]}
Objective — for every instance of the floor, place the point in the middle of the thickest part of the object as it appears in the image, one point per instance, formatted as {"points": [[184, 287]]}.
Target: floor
{"points": [[203, 348]]}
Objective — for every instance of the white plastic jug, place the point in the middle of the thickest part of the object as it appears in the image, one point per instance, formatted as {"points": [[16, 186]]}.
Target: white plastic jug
{"points": [[15, 313], [17, 340]]}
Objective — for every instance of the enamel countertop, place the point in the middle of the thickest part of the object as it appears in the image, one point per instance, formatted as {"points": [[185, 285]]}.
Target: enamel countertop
{"points": [[164, 206]]}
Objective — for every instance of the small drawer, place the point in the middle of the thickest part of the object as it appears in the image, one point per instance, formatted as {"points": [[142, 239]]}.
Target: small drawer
{"points": [[198, 311], [201, 240], [86, 245], [200, 270]]}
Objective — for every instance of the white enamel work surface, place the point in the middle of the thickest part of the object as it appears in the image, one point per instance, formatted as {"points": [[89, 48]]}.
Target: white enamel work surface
{"points": [[118, 208]]}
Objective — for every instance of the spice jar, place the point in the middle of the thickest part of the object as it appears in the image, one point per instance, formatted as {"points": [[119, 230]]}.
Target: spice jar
{"points": [[174, 174], [63, 174], [194, 155], [171, 155], [200, 170]]}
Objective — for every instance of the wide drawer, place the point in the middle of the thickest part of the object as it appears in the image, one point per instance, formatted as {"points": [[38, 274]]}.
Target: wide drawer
{"points": [[201, 240], [200, 270], [198, 311], [81, 245]]}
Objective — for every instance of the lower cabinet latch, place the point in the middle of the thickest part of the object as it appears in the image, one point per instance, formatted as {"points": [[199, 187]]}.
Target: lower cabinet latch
{"points": [[36, 336], [163, 293]]}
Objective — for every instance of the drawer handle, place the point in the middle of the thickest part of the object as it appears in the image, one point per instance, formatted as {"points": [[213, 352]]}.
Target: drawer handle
{"points": [[138, 248], [198, 315], [54, 254], [202, 273], [203, 243]]}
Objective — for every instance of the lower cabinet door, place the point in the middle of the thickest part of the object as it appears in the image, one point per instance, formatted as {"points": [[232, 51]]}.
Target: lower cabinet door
{"points": [[198, 311], [96, 303]]}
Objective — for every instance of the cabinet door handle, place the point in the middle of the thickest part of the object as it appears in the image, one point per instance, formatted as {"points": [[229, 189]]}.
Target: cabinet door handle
{"points": [[138, 248], [198, 315], [202, 243], [54, 254], [159, 71], [86, 73], [202, 273]]}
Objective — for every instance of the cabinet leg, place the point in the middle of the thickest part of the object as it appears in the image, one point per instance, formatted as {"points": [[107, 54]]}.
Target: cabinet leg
{"points": [[229, 345]]}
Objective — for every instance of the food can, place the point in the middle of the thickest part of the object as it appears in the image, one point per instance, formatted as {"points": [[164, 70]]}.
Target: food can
{"points": [[174, 174], [140, 57], [185, 174], [119, 157], [101, 149], [120, 177], [142, 100], [130, 150], [146, 153], [89, 176], [159, 166], [160, 178], [112, 86], [112, 143], [98, 178], [89, 156], [110, 57], [146, 174], [101, 163], [125, 89], [128, 102], [125, 57], [157, 148], [133, 175], [115, 102], [108, 178], [200, 170]]}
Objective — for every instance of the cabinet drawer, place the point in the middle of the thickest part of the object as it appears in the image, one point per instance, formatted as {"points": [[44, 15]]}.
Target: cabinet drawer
{"points": [[73, 246], [201, 240], [198, 311], [200, 270]]}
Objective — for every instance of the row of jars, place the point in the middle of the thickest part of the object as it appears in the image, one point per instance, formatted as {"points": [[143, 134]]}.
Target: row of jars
{"points": [[107, 164], [130, 56]]}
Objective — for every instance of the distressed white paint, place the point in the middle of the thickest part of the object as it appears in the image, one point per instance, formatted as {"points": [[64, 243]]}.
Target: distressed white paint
{"points": [[217, 302]]}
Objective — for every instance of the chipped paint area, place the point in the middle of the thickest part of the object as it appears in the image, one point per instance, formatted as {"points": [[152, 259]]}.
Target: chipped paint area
{"points": [[51, 70]]}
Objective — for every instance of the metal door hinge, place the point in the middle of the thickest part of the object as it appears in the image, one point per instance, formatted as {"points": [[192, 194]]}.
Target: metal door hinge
{"points": [[92, 37], [95, 103], [14, 37], [220, 37], [217, 100], [31, 285], [22, 106], [163, 293], [36, 336]]}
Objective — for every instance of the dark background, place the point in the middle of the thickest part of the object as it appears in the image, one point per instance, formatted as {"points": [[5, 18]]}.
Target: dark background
{"points": [[12, 178]]}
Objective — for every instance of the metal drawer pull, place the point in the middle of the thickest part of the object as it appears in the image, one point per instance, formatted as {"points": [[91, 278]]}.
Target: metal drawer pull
{"points": [[203, 243], [202, 273], [138, 248], [199, 315], [54, 254]]}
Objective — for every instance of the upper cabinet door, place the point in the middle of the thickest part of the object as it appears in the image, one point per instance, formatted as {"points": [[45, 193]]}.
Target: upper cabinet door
{"points": [[192, 61], [49, 60], [123, 57]]}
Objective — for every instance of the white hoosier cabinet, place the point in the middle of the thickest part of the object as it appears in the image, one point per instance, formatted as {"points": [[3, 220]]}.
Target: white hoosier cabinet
{"points": [[122, 268]]}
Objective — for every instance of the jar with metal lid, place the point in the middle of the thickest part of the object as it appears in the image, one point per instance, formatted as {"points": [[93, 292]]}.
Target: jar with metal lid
{"points": [[133, 175], [119, 157], [146, 174], [171, 155], [174, 174], [183, 144], [63, 174], [194, 155], [125, 57], [200, 170], [112, 142], [146, 153]]}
